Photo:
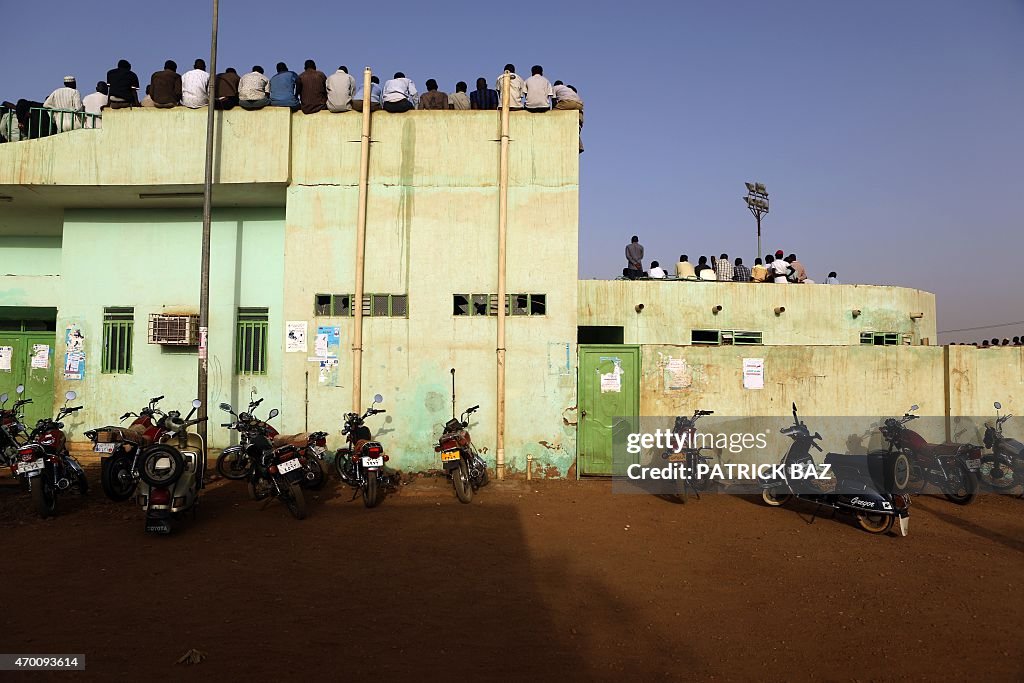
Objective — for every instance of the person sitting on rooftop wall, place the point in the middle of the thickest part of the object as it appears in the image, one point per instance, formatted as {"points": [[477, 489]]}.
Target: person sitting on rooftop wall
{"points": [[657, 272], [284, 88], [723, 268], [483, 97], [1016, 341], [194, 86], [254, 89], [399, 94], [832, 279], [684, 269], [702, 265], [566, 97], [10, 130], [537, 90], [94, 104], [226, 89], [740, 273], [123, 86], [433, 98], [515, 88], [459, 100], [798, 274], [778, 269], [375, 91], [165, 86], [147, 101], [341, 87], [66, 98], [312, 88], [758, 273]]}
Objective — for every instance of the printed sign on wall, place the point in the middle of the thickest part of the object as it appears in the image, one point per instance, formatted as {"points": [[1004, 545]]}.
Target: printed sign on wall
{"points": [[753, 373], [295, 336], [74, 353]]}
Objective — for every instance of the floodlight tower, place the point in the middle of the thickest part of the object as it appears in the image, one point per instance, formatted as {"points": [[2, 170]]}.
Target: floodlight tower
{"points": [[757, 202]]}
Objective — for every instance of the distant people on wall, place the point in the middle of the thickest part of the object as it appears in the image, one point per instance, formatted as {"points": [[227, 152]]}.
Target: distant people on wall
{"points": [[797, 272], [226, 89], [284, 88], [94, 104], [515, 88], [740, 273], [341, 88], [194, 86], [459, 100], [723, 269], [1016, 341], [635, 254], [312, 88], [656, 272], [375, 90], [254, 89], [399, 94], [702, 265], [67, 99], [165, 86], [483, 97], [537, 91], [778, 269], [566, 97], [832, 279], [147, 101], [433, 98], [684, 269], [123, 86], [758, 273]]}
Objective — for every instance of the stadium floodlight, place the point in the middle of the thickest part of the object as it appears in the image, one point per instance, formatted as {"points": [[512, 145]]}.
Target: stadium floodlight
{"points": [[757, 203], [750, 187], [760, 188]]}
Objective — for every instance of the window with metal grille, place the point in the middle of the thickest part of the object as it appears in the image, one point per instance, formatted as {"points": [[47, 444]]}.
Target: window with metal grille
{"points": [[881, 338], [725, 338], [374, 305], [487, 304], [118, 332], [251, 342]]}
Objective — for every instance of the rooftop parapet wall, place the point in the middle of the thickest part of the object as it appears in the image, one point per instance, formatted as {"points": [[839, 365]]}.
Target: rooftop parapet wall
{"points": [[814, 315], [146, 147]]}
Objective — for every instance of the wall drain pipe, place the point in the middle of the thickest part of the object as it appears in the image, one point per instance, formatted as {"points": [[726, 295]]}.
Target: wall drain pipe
{"points": [[502, 228], [357, 303]]}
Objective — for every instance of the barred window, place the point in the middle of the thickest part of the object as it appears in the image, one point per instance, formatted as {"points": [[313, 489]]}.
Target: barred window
{"points": [[487, 304], [118, 333], [373, 305], [251, 341]]}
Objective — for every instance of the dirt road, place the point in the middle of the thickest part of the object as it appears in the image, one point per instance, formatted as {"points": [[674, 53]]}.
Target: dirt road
{"points": [[555, 580]]}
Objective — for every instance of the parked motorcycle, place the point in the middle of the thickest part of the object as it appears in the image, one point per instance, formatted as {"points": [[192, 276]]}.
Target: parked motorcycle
{"points": [[119, 474], [12, 427], [949, 466], [273, 472], [1003, 468], [459, 457], [171, 471], [686, 427], [863, 485], [360, 463], [44, 464]]}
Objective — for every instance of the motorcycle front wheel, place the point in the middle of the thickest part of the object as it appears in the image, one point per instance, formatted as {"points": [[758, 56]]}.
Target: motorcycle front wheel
{"points": [[960, 486], [117, 480], [371, 490], [44, 496], [234, 464], [460, 481], [294, 500], [875, 523]]}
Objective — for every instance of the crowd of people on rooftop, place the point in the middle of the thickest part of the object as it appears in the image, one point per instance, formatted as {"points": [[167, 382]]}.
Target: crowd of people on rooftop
{"points": [[776, 268], [310, 92]]}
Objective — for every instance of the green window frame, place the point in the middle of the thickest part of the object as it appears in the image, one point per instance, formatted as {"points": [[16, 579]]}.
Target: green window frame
{"points": [[881, 338], [487, 304], [726, 338], [253, 328], [375, 305], [118, 340]]}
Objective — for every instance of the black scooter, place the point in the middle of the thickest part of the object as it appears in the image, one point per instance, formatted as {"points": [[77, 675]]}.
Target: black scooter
{"points": [[862, 485]]}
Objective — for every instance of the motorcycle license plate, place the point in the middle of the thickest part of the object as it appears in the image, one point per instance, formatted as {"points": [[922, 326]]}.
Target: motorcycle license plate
{"points": [[104, 447], [26, 467], [373, 462], [289, 465], [974, 465], [448, 456]]}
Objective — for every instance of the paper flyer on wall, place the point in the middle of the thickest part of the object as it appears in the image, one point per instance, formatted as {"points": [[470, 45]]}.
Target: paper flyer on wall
{"points": [[295, 337], [753, 373], [6, 355], [40, 356], [74, 353]]}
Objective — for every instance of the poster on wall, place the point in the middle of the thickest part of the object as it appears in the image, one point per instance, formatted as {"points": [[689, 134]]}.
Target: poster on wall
{"points": [[753, 373], [40, 356], [74, 353], [295, 336], [327, 338], [611, 382], [6, 355], [677, 375]]}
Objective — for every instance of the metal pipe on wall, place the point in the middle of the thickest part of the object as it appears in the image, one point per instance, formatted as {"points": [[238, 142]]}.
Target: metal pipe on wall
{"points": [[357, 303], [502, 230]]}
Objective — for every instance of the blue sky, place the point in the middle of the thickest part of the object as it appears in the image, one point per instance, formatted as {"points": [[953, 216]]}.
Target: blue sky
{"points": [[890, 134]]}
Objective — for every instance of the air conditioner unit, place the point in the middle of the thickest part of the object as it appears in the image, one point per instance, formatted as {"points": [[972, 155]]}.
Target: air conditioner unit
{"points": [[174, 330]]}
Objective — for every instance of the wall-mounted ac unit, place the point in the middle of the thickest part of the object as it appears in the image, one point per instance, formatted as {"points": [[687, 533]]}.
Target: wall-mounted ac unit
{"points": [[174, 330]]}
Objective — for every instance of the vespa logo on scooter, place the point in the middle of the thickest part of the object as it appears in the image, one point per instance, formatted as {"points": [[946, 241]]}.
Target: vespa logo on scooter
{"points": [[861, 503]]}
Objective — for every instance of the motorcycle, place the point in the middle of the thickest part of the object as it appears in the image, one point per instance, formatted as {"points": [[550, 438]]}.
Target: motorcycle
{"points": [[12, 427], [273, 472], [1002, 469], [863, 485], [234, 462], [949, 466], [44, 464], [171, 471], [123, 447], [459, 457], [360, 463], [686, 427]]}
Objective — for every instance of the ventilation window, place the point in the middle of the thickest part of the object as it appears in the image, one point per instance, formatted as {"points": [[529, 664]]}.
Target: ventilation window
{"points": [[460, 304], [487, 304], [705, 337], [538, 304], [881, 338], [520, 304], [322, 304], [481, 304], [341, 306], [381, 305], [399, 305]]}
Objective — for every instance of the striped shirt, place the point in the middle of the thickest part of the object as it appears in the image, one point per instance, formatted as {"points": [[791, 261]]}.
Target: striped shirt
{"points": [[484, 99], [723, 269], [65, 99], [193, 88], [741, 273]]}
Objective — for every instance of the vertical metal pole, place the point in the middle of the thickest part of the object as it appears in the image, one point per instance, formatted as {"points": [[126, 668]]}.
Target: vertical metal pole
{"points": [[204, 271], [758, 216], [502, 229], [364, 172]]}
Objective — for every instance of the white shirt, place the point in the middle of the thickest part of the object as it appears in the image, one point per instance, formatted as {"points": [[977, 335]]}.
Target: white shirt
{"points": [[9, 126], [830, 280], [398, 89], [340, 89], [538, 92], [193, 88], [515, 90], [253, 87], [564, 92], [93, 104], [779, 269], [656, 273], [66, 99]]}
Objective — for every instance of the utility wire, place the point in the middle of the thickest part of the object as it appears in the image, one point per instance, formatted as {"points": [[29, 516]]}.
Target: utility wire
{"points": [[983, 327]]}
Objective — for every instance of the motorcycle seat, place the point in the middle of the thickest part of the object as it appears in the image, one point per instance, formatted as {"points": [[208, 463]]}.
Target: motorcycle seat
{"points": [[129, 435], [846, 461], [943, 448], [297, 440]]}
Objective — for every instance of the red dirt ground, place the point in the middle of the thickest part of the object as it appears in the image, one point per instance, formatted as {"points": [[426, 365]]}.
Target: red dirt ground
{"points": [[548, 581]]}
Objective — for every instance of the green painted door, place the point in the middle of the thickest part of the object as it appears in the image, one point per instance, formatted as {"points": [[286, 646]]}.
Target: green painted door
{"points": [[17, 350], [609, 388]]}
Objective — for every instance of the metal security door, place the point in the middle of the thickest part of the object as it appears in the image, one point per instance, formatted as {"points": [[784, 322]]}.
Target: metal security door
{"points": [[609, 387], [18, 350]]}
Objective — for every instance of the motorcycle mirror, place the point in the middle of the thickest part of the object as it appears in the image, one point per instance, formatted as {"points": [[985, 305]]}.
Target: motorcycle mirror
{"points": [[226, 407], [998, 405], [71, 396], [20, 389], [196, 403], [377, 398], [253, 392], [914, 407], [274, 412], [3, 398]]}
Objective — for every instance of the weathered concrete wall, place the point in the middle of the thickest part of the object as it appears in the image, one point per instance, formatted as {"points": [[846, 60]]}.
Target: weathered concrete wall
{"points": [[815, 314], [980, 377]]}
